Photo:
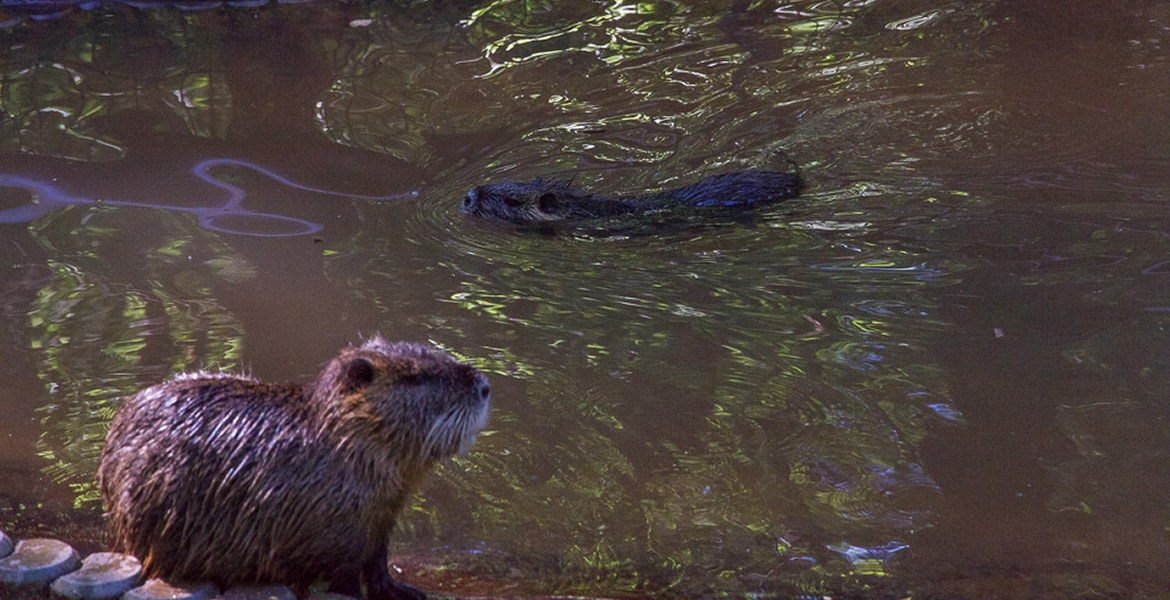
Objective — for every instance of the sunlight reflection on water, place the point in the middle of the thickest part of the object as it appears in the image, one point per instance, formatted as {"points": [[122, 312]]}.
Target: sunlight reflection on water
{"points": [[935, 353]]}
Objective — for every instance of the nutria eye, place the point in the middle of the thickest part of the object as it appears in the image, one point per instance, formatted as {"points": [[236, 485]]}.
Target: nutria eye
{"points": [[514, 201]]}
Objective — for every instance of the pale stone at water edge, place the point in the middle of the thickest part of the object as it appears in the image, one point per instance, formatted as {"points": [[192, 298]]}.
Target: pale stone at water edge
{"points": [[102, 575], [38, 561], [157, 589]]}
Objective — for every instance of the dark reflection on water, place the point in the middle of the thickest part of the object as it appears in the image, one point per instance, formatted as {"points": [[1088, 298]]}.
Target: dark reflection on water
{"points": [[939, 372]]}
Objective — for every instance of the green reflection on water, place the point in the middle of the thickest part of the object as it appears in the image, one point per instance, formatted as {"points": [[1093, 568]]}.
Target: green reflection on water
{"points": [[718, 411], [101, 329], [694, 412]]}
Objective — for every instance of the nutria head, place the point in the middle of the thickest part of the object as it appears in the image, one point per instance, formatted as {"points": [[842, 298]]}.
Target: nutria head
{"points": [[535, 201], [408, 396]]}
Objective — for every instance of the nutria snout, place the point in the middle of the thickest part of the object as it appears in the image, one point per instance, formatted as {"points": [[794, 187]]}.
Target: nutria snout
{"points": [[223, 478], [471, 200]]}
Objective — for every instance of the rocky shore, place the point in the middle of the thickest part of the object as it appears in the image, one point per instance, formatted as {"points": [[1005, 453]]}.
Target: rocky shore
{"points": [[47, 565]]}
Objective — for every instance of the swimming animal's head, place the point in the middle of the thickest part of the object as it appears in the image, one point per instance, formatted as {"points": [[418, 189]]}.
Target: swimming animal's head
{"points": [[533, 201]]}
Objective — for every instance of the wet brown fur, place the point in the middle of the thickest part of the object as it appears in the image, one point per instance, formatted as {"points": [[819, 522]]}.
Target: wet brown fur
{"points": [[223, 478]]}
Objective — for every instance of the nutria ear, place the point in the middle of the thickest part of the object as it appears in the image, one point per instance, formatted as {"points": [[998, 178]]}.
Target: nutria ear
{"points": [[547, 202], [358, 374]]}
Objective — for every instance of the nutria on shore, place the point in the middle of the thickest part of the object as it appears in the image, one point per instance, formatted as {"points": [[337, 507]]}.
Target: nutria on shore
{"points": [[219, 477], [539, 201]]}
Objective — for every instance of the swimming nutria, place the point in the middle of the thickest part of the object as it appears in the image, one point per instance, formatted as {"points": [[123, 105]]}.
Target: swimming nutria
{"points": [[219, 477], [540, 201]]}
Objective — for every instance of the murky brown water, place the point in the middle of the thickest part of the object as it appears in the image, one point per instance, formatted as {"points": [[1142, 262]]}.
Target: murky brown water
{"points": [[940, 372]]}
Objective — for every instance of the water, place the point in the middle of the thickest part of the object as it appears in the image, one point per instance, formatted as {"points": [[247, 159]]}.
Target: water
{"points": [[938, 372]]}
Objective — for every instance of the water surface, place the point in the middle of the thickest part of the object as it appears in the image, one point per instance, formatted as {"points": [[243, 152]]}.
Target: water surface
{"points": [[938, 372]]}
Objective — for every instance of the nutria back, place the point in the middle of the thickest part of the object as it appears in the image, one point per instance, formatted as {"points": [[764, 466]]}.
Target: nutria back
{"points": [[540, 201], [223, 478]]}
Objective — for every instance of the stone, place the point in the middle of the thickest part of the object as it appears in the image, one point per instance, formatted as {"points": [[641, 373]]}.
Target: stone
{"points": [[102, 575], [329, 596], [5, 545], [259, 592], [158, 589], [38, 561]]}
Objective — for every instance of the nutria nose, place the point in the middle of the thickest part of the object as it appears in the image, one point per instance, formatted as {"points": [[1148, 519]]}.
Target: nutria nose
{"points": [[482, 388], [470, 200]]}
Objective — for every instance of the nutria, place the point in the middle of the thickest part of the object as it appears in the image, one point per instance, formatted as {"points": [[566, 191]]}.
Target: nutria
{"points": [[219, 477], [539, 201]]}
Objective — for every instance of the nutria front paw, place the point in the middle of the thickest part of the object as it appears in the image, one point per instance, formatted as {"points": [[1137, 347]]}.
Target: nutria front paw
{"points": [[395, 590]]}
